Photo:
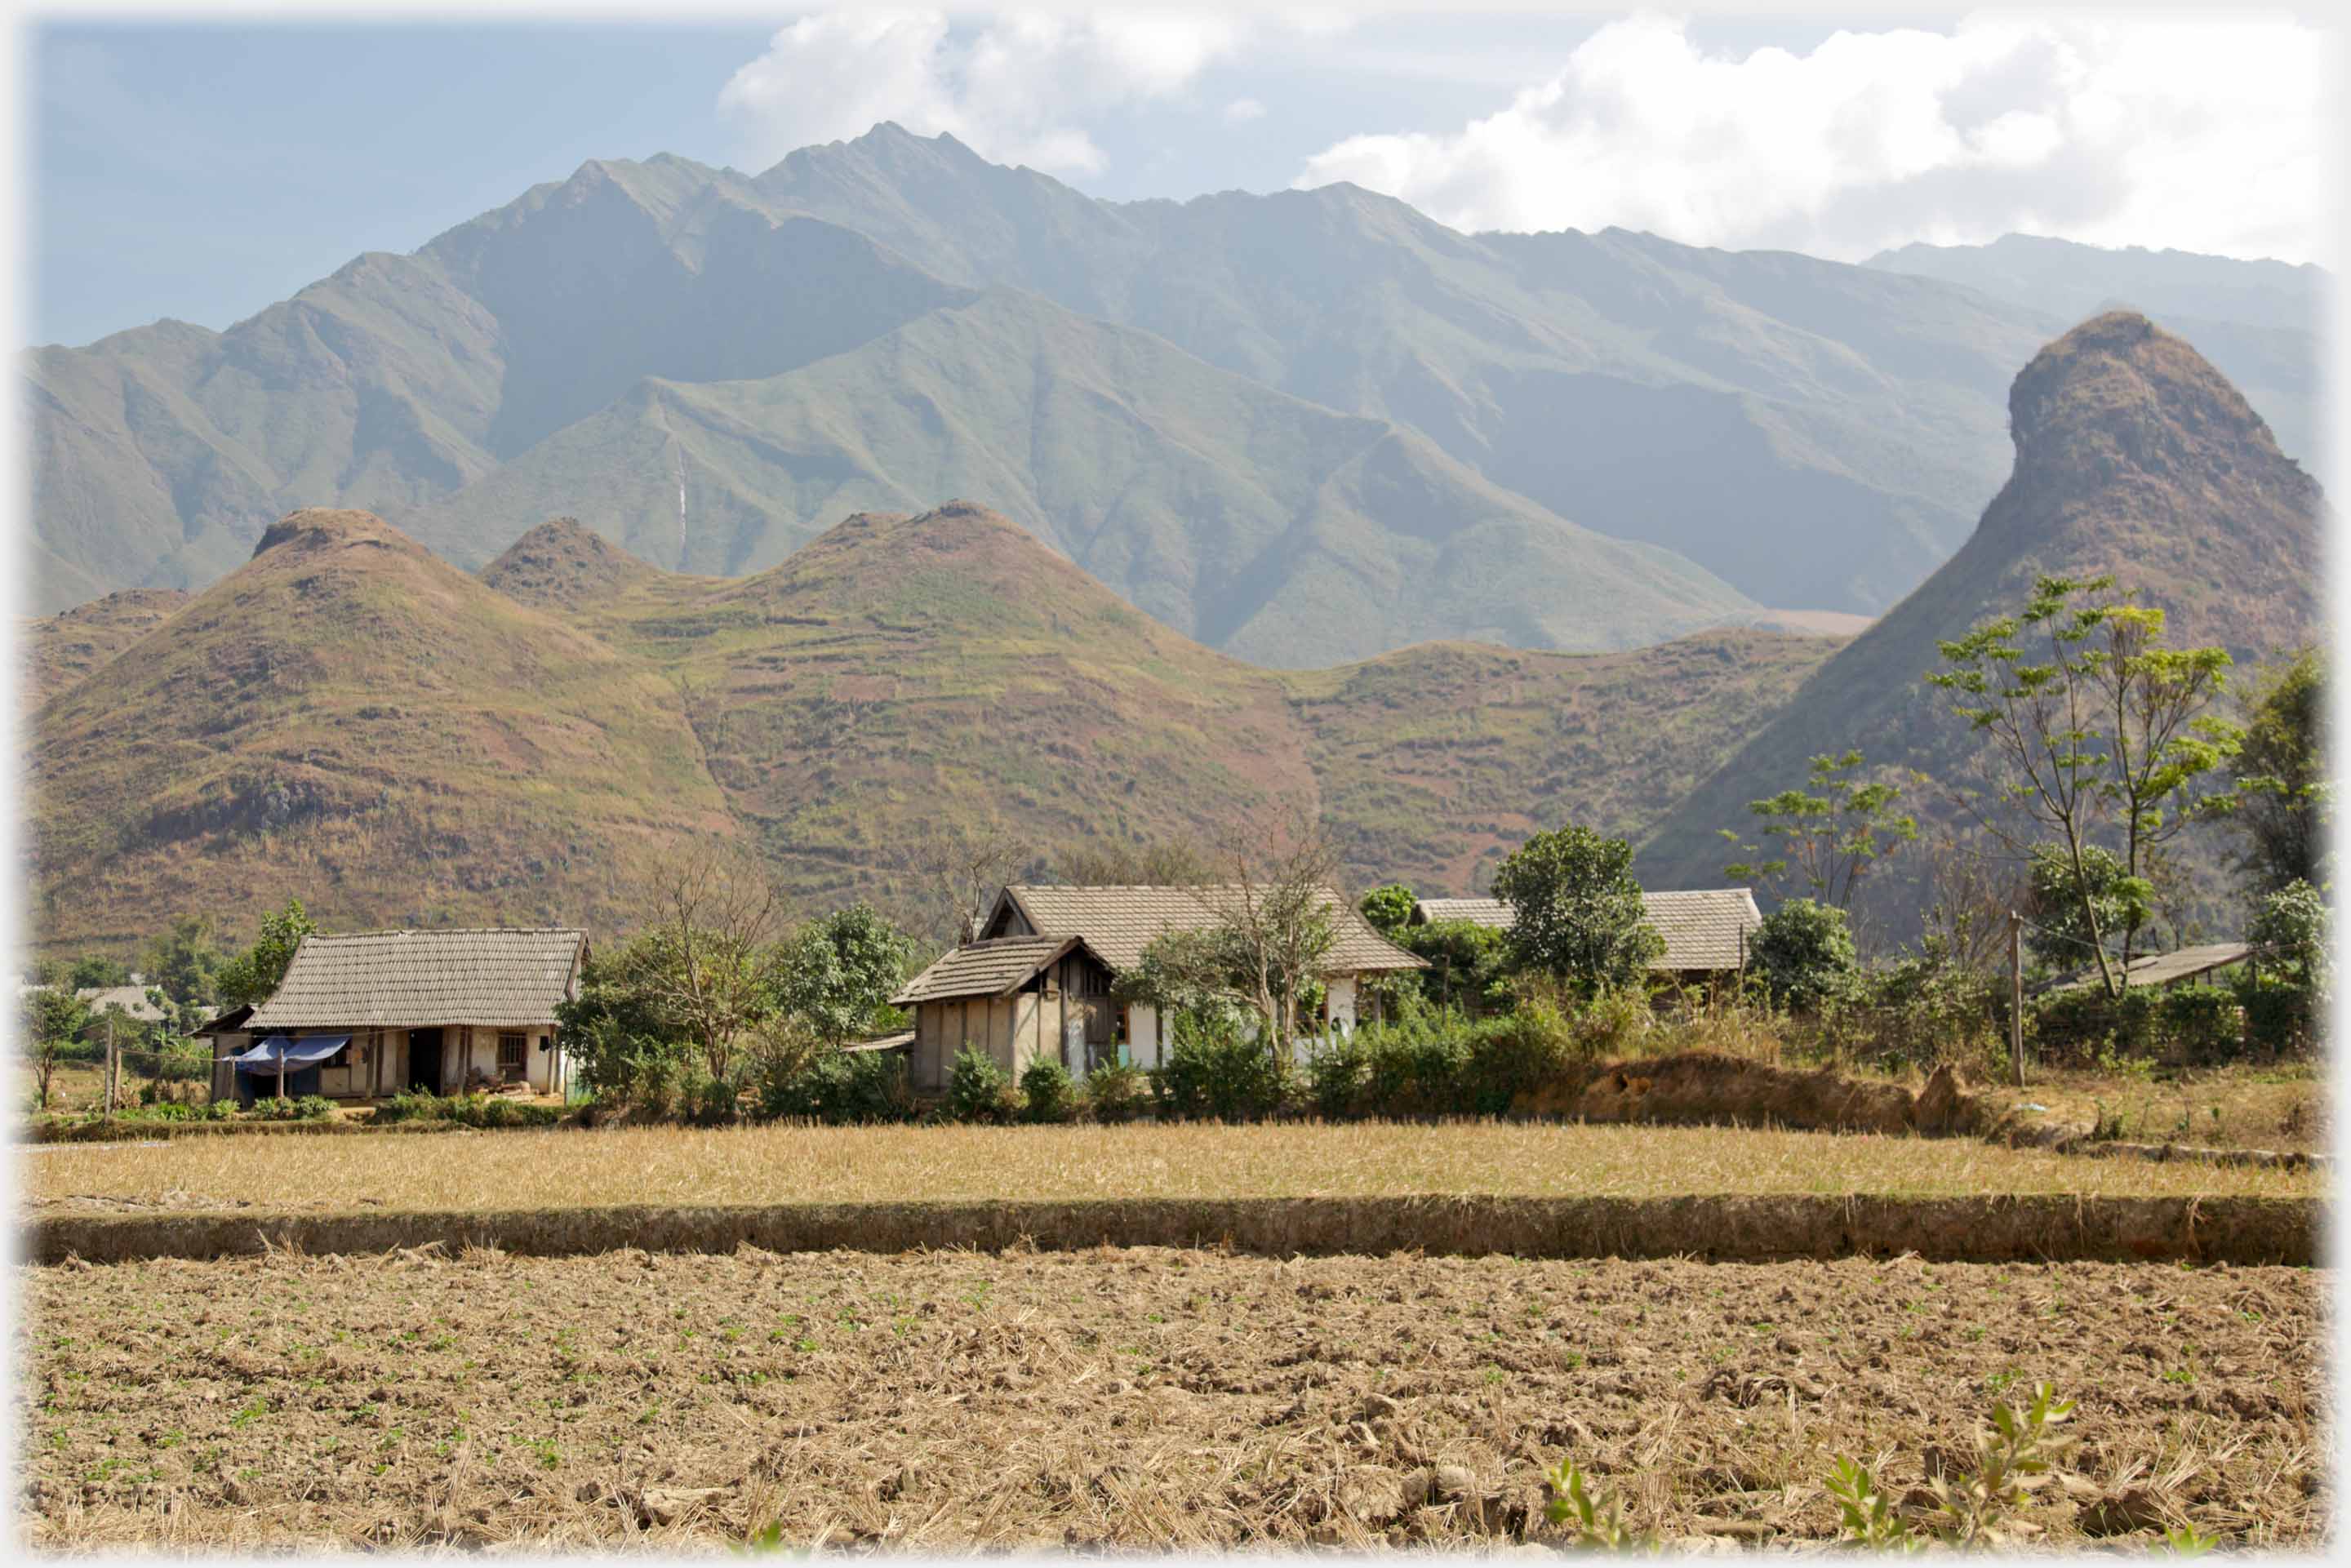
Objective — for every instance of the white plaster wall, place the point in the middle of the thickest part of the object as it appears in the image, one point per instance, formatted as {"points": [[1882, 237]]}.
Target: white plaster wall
{"points": [[1341, 991], [1142, 1036]]}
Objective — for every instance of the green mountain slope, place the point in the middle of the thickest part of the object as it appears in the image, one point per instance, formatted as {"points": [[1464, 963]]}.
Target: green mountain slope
{"points": [[2134, 457], [349, 719], [1255, 522]]}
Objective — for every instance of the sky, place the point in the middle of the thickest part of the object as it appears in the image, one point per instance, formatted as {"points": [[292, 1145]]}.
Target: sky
{"points": [[202, 171]]}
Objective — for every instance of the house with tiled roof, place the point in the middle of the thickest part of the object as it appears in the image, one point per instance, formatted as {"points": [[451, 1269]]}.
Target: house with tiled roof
{"points": [[1038, 981], [1707, 931], [365, 1014]]}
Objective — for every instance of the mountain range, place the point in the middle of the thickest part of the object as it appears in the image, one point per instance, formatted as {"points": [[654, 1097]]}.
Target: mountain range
{"points": [[1304, 429], [349, 716]]}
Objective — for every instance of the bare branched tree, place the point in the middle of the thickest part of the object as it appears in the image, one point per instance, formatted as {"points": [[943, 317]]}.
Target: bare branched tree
{"points": [[707, 961], [1276, 914], [968, 866]]}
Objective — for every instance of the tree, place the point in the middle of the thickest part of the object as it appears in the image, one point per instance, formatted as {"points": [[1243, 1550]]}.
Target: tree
{"points": [[2283, 796], [2292, 930], [53, 1021], [1803, 954], [254, 975], [1466, 963], [1120, 862], [96, 971], [1832, 834], [2109, 727], [708, 967], [1389, 908], [2059, 936], [182, 963], [1575, 911], [836, 975], [968, 866], [1270, 926]]}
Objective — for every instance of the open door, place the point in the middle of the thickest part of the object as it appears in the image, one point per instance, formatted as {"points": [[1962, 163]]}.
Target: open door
{"points": [[424, 1060]]}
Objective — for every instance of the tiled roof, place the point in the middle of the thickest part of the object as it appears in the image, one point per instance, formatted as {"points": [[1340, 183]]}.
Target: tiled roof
{"points": [[1119, 923], [1703, 930], [501, 978], [982, 969]]}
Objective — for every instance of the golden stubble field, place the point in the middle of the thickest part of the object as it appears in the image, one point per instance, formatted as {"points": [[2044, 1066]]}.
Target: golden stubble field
{"points": [[769, 1165], [1143, 1398]]}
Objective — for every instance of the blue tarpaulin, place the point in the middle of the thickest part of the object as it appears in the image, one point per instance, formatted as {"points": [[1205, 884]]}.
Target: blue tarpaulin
{"points": [[309, 1050]]}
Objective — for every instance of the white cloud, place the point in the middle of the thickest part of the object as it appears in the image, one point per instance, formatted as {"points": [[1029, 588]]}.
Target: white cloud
{"points": [[1018, 86], [2207, 134], [1243, 109]]}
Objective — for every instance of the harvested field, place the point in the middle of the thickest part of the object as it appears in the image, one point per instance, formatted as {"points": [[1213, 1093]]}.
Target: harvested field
{"points": [[775, 1165], [1141, 1397]]}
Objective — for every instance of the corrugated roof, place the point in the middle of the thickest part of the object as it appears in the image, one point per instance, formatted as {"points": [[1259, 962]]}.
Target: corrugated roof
{"points": [[1119, 923], [1702, 929], [500, 977], [2165, 968], [983, 969]]}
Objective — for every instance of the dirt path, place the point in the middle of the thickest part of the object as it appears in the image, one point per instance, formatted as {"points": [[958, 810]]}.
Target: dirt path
{"points": [[1152, 1398]]}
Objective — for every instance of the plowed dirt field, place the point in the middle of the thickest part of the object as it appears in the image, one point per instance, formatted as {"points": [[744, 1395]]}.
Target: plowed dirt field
{"points": [[1142, 1397]]}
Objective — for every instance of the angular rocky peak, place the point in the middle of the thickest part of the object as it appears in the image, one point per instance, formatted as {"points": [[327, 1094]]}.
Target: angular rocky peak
{"points": [[318, 529]]}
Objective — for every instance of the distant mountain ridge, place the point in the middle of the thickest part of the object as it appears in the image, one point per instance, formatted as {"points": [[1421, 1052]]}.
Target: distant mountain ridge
{"points": [[1306, 426]]}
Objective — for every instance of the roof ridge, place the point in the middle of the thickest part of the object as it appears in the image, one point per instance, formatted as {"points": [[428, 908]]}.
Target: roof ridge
{"points": [[457, 931]]}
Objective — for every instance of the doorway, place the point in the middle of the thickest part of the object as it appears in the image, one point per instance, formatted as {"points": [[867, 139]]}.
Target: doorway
{"points": [[424, 1060]]}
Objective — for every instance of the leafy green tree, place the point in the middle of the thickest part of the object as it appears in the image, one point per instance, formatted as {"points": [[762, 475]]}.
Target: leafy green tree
{"points": [[184, 964], [1389, 908], [2294, 924], [2283, 797], [1575, 911], [836, 975], [1831, 834], [254, 975], [1467, 964], [2090, 722], [1803, 954], [95, 971], [53, 1021], [2059, 935]]}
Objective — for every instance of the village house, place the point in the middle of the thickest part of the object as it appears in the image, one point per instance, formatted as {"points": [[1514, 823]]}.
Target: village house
{"points": [[1705, 932], [1037, 983], [366, 1014]]}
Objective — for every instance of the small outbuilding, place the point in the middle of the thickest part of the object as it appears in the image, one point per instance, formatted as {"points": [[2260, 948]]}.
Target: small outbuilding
{"points": [[372, 1013]]}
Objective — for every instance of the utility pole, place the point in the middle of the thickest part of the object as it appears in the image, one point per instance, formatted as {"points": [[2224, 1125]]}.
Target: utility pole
{"points": [[2016, 994], [110, 1062]]}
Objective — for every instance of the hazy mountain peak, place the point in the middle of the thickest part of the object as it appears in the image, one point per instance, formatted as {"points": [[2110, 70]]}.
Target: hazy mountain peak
{"points": [[564, 562], [315, 531]]}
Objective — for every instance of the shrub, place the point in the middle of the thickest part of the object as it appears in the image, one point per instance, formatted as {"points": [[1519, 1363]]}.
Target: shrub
{"points": [[978, 1089], [1333, 1073], [1415, 1066], [1803, 954], [1214, 1070], [1115, 1094], [2279, 1015], [412, 1106], [843, 1088], [2199, 1022], [2081, 1023], [1046, 1089], [1612, 1025], [1513, 1055], [309, 1108]]}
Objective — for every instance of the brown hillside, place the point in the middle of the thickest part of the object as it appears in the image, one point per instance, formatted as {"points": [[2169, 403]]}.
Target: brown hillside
{"points": [[2134, 457], [58, 650], [562, 564], [349, 719]]}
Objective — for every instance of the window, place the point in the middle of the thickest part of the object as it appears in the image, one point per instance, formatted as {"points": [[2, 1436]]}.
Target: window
{"points": [[512, 1050]]}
